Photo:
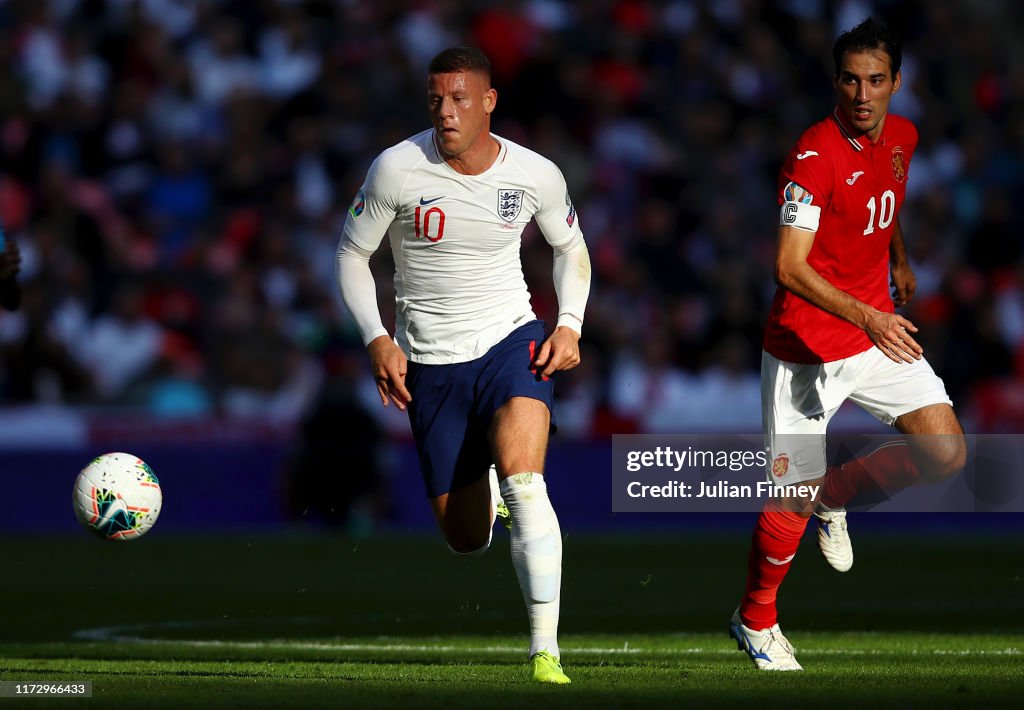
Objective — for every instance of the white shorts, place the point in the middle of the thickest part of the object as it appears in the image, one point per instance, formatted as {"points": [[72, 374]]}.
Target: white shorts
{"points": [[798, 401]]}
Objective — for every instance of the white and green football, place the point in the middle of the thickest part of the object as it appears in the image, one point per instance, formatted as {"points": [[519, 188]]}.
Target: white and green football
{"points": [[117, 496]]}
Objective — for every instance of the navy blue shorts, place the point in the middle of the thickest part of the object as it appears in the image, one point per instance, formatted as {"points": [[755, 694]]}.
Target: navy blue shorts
{"points": [[452, 407]]}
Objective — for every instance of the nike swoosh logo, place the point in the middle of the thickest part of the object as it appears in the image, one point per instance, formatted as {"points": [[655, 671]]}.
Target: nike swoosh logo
{"points": [[427, 202], [808, 154], [780, 562], [853, 178]]}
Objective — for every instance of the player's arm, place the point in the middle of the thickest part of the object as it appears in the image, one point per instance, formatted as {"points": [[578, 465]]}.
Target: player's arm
{"points": [[368, 219], [889, 332], [904, 283], [359, 291], [561, 350], [571, 275]]}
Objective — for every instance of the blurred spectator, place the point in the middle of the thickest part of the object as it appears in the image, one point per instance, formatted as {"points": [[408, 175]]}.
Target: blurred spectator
{"points": [[37, 366], [176, 388], [650, 389], [175, 113], [121, 345], [335, 474], [41, 55], [178, 201], [221, 69], [289, 62], [10, 265], [87, 76], [127, 145], [202, 156]]}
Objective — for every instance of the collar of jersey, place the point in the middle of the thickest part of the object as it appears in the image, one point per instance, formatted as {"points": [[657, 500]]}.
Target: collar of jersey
{"points": [[859, 142], [502, 151]]}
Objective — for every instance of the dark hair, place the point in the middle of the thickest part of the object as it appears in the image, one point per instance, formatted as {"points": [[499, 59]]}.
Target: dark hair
{"points": [[456, 59], [869, 34]]}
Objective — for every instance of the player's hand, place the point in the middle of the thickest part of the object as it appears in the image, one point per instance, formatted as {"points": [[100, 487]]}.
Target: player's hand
{"points": [[890, 332], [904, 283], [389, 366], [561, 351]]}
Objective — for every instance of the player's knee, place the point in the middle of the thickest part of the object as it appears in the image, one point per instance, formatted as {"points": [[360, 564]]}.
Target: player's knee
{"points": [[945, 458]]}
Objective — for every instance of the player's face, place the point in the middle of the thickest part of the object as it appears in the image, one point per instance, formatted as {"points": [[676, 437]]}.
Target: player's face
{"points": [[460, 107], [865, 86]]}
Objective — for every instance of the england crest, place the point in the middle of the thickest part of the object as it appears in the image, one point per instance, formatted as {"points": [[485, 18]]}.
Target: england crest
{"points": [[510, 202]]}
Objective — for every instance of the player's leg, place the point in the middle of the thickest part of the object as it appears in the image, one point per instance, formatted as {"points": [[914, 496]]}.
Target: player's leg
{"points": [[516, 405], [912, 398], [519, 437], [888, 468], [466, 517], [795, 418], [933, 450], [453, 453], [754, 625], [936, 441], [773, 546], [796, 409]]}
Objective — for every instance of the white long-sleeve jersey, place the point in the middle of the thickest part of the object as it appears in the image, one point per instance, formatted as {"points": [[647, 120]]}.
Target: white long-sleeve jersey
{"points": [[456, 245]]}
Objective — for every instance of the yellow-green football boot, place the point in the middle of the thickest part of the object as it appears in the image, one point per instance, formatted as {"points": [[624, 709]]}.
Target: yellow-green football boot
{"points": [[545, 668]]}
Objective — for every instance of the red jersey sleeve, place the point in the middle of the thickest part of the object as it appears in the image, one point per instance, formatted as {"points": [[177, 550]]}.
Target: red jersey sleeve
{"points": [[809, 165]]}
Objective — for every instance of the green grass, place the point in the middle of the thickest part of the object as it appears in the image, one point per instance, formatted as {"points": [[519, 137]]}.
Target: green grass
{"points": [[316, 621]]}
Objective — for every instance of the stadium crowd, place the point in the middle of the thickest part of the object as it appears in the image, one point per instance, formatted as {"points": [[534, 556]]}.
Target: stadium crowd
{"points": [[176, 173]]}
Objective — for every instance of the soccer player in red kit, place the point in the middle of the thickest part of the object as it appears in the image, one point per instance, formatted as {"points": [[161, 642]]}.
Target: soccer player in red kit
{"points": [[833, 333]]}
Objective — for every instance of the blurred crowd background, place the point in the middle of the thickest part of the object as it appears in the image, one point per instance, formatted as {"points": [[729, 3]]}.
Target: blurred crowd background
{"points": [[176, 174]]}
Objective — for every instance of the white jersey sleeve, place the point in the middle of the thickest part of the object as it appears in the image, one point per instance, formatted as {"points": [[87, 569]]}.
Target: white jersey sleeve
{"points": [[358, 289], [372, 211], [557, 220], [376, 204], [556, 214]]}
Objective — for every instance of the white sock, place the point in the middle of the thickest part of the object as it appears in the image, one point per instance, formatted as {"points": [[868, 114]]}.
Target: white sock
{"points": [[536, 555], [492, 479]]}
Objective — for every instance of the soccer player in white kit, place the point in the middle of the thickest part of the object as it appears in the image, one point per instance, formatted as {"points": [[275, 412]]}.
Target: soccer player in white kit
{"points": [[470, 360]]}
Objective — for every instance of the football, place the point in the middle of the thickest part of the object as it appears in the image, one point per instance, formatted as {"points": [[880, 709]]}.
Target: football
{"points": [[117, 496]]}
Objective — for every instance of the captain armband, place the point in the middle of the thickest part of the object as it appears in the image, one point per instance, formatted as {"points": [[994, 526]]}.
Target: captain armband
{"points": [[799, 215]]}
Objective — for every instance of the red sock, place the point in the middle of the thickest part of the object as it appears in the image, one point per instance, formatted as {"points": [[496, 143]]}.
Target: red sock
{"points": [[776, 537], [888, 468]]}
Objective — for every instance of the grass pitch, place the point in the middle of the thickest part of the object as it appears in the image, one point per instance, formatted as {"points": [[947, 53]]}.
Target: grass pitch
{"points": [[318, 620]]}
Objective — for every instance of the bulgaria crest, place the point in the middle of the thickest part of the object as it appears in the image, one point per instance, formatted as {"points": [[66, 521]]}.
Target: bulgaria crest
{"points": [[899, 164], [510, 202], [780, 465]]}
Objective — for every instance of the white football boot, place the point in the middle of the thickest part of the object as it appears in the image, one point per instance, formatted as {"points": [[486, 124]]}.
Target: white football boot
{"points": [[767, 648], [834, 538]]}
